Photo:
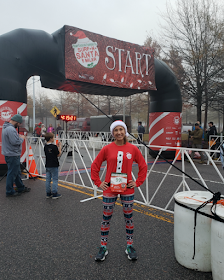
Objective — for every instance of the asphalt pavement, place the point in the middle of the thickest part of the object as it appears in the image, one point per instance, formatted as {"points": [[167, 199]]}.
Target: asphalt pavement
{"points": [[43, 239]]}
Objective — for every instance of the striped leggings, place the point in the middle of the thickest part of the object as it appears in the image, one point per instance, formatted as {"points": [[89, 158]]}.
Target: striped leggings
{"points": [[108, 207]]}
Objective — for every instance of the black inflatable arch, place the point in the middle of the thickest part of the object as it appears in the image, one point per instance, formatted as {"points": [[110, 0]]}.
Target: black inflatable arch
{"points": [[25, 53]]}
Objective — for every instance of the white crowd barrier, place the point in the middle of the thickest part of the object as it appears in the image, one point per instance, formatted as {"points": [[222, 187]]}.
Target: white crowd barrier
{"points": [[101, 136], [219, 139], [162, 180]]}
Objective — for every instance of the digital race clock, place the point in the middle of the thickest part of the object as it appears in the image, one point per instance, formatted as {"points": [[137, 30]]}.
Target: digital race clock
{"points": [[66, 117]]}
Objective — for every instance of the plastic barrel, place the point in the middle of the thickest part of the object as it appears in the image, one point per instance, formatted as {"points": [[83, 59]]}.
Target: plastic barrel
{"points": [[217, 245], [184, 231]]}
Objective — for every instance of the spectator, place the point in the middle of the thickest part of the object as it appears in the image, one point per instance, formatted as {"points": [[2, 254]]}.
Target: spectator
{"points": [[43, 130], [52, 152], [50, 129], [58, 129], [203, 135], [222, 154], [211, 131], [196, 135], [38, 129], [141, 131], [212, 145], [34, 132], [11, 149]]}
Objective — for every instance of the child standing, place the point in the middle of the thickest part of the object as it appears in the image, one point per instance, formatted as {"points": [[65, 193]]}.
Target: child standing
{"points": [[52, 152]]}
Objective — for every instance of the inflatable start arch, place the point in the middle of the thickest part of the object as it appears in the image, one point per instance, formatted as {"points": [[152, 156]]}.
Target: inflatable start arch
{"points": [[76, 60]]}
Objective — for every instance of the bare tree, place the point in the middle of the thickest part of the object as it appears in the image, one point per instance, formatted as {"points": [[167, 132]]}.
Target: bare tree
{"points": [[194, 30], [175, 62], [75, 103], [154, 44], [44, 104]]}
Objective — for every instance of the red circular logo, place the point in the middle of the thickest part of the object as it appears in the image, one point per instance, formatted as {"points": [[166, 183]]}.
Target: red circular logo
{"points": [[6, 113]]}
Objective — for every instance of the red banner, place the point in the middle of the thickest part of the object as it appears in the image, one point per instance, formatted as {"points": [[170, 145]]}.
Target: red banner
{"points": [[97, 59], [165, 129]]}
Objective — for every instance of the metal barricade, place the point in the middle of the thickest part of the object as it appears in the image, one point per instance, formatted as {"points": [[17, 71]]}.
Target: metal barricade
{"points": [[76, 160]]}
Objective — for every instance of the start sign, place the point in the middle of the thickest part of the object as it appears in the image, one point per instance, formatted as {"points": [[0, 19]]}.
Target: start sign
{"points": [[96, 59]]}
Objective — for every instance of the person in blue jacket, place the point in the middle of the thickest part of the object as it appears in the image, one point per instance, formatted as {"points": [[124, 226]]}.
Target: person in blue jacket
{"points": [[141, 131], [222, 154]]}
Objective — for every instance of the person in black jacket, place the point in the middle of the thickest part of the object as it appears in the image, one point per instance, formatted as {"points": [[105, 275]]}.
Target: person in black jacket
{"points": [[212, 130], [52, 152]]}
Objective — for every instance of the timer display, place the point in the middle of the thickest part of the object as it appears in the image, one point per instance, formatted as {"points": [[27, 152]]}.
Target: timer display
{"points": [[66, 117]]}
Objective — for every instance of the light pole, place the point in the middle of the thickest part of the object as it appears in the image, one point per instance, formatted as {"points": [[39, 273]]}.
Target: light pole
{"points": [[123, 109], [33, 105]]}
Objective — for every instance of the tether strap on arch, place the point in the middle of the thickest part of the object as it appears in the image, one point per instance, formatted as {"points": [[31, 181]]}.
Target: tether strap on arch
{"points": [[160, 156], [216, 197]]}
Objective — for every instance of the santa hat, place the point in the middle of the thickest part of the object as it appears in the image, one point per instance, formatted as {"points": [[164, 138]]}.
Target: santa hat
{"points": [[118, 123], [80, 34], [82, 39]]}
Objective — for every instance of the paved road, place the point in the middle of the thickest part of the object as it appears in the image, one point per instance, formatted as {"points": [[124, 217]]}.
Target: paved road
{"points": [[43, 239]]}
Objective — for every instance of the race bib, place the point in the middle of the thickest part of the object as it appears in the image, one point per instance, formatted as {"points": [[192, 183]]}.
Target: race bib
{"points": [[118, 182]]}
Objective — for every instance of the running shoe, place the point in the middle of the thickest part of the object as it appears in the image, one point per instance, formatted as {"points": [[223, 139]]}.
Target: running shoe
{"points": [[130, 251], [13, 194], [26, 189], [48, 195], [103, 252], [56, 195]]}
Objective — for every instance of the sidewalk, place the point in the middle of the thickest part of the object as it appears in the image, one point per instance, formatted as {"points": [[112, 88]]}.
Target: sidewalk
{"points": [[45, 239]]}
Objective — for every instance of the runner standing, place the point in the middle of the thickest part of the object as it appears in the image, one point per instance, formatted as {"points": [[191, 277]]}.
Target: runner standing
{"points": [[119, 156], [141, 131]]}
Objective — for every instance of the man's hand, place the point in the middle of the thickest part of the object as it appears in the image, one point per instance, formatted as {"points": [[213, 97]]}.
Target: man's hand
{"points": [[22, 136], [103, 185]]}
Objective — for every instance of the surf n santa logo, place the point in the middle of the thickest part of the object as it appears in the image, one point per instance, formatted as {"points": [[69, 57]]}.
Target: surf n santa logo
{"points": [[6, 113], [176, 120], [86, 51]]}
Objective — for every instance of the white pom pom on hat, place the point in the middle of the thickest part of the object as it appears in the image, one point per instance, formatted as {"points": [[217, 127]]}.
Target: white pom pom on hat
{"points": [[118, 123]]}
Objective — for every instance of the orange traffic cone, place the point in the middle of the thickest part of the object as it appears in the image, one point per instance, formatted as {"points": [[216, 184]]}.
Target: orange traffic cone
{"points": [[177, 151], [56, 141], [32, 164]]}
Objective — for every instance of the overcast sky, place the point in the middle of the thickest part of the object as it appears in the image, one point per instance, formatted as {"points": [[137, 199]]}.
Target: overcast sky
{"points": [[127, 20]]}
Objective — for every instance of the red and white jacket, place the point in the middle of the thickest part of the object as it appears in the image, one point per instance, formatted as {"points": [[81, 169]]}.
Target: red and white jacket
{"points": [[119, 159]]}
